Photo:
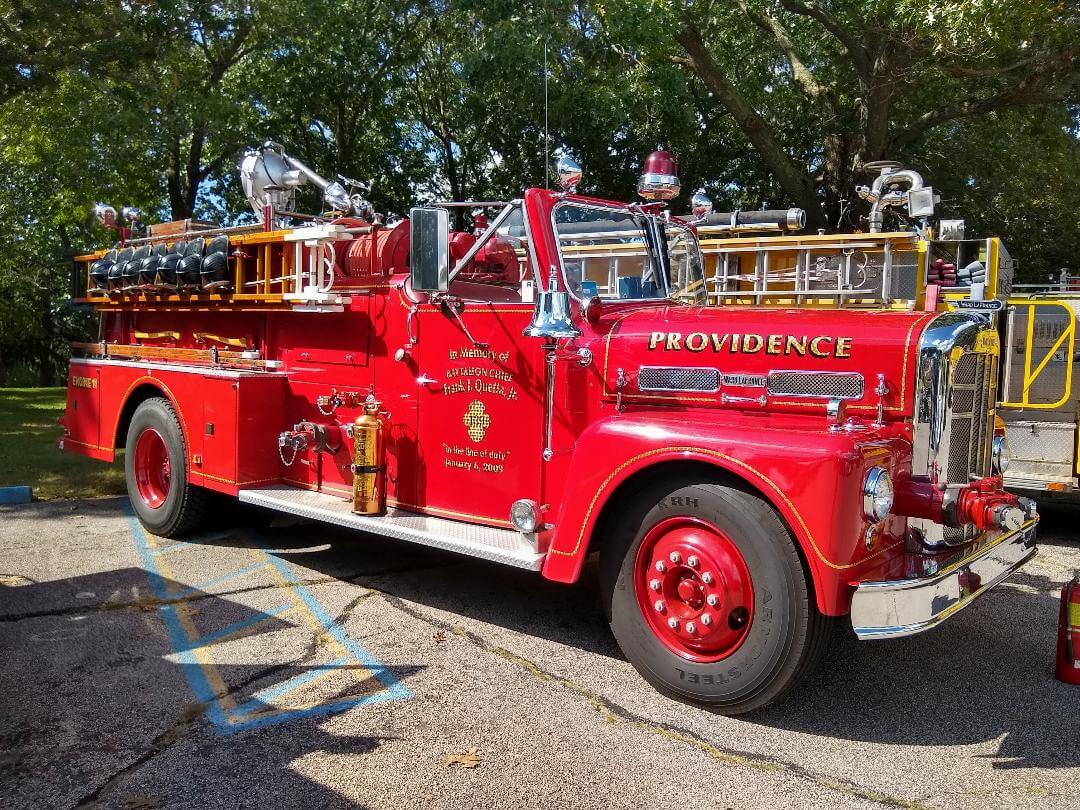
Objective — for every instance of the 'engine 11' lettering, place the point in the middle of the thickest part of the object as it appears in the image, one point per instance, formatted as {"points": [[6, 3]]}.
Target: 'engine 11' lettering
{"points": [[733, 343]]}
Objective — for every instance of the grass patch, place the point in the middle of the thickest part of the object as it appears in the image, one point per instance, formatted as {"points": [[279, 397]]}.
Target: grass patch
{"points": [[28, 453]]}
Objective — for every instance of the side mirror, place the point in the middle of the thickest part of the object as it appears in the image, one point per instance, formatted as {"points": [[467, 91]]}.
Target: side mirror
{"points": [[429, 249]]}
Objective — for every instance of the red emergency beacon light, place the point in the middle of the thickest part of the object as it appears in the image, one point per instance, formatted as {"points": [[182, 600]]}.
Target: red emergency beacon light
{"points": [[659, 177], [571, 374]]}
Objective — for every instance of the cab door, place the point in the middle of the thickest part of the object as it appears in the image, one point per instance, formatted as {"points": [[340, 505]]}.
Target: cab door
{"points": [[481, 408]]}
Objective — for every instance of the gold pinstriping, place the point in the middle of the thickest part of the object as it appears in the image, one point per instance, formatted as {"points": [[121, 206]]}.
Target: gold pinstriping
{"points": [[779, 492]]}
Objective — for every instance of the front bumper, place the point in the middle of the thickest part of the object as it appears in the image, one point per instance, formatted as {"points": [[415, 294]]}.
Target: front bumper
{"points": [[908, 606]]}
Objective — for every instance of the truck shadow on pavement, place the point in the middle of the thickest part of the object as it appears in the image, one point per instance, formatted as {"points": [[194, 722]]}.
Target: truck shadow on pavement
{"points": [[985, 675], [103, 692]]}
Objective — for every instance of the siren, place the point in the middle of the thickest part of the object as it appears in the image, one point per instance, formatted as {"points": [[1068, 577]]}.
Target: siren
{"points": [[659, 177]]}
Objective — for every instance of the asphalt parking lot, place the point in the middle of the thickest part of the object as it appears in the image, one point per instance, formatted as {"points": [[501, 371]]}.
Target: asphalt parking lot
{"points": [[308, 666]]}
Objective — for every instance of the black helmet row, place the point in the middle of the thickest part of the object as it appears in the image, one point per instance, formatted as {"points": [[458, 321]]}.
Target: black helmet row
{"points": [[193, 265]]}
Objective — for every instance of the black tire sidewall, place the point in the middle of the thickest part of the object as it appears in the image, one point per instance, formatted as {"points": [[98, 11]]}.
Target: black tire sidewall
{"points": [[778, 632], [157, 414]]}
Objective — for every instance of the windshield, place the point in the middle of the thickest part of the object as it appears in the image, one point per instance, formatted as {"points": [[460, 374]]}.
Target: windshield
{"points": [[617, 253]]}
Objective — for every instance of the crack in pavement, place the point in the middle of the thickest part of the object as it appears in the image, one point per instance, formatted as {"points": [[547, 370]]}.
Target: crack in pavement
{"points": [[161, 743], [613, 712], [184, 724], [150, 602]]}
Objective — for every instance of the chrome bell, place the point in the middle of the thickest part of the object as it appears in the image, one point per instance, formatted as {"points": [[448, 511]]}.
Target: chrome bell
{"points": [[551, 316]]}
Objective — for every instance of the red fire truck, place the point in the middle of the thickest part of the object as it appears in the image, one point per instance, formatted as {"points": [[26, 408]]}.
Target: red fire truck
{"points": [[552, 382]]}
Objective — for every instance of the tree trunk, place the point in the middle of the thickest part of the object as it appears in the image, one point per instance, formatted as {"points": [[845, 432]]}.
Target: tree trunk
{"points": [[793, 179]]}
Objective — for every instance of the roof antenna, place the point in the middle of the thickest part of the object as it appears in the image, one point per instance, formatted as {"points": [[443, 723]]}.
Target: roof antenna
{"points": [[547, 138]]}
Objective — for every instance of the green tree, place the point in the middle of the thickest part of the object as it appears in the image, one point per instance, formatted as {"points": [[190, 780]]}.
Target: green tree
{"points": [[56, 160], [820, 88], [42, 41]]}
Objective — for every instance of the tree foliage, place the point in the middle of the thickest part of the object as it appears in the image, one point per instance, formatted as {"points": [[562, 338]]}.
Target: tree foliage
{"points": [[775, 102]]}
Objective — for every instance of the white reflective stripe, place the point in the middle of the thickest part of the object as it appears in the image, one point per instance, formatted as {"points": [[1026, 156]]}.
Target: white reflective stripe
{"points": [[205, 371]]}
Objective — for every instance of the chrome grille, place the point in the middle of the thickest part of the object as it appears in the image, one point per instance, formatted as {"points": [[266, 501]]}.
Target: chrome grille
{"points": [[665, 378], [956, 391], [971, 426], [825, 385]]}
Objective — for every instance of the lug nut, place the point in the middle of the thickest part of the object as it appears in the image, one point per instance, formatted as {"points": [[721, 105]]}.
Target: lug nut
{"points": [[712, 599], [660, 566], [654, 584], [692, 561], [659, 605], [690, 627], [675, 557], [673, 623], [707, 578], [706, 619]]}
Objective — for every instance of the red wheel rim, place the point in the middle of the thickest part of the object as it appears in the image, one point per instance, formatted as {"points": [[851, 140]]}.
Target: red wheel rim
{"points": [[152, 469], [694, 589]]}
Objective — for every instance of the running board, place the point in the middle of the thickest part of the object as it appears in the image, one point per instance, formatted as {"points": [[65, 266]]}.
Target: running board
{"points": [[498, 545]]}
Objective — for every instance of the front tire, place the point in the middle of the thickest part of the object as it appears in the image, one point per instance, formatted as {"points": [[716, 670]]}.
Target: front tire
{"points": [[155, 468], [707, 595]]}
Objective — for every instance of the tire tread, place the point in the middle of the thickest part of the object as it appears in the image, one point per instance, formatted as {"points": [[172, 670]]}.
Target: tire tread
{"points": [[811, 630], [194, 507]]}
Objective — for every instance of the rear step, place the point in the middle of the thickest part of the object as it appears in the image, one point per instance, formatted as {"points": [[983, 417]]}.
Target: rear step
{"points": [[498, 545]]}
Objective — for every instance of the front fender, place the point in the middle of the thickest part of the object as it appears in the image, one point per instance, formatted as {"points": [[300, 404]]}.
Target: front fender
{"points": [[812, 477]]}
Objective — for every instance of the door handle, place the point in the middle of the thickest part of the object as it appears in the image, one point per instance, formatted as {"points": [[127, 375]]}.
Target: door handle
{"points": [[430, 383]]}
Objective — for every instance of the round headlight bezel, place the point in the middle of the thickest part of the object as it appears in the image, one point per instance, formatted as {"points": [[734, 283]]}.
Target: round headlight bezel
{"points": [[525, 515], [878, 494], [1000, 454]]}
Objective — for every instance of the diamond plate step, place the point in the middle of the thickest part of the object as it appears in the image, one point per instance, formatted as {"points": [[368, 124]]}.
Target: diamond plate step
{"points": [[498, 545]]}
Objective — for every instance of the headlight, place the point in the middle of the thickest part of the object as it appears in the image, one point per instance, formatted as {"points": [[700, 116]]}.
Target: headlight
{"points": [[525, 515], [1000, 454], [877, 494]]}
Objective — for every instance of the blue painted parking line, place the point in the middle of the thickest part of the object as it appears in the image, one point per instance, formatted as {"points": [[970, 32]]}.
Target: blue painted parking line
{"points": [[285, 687], [237, 628], [221, 580], [225, 712]]}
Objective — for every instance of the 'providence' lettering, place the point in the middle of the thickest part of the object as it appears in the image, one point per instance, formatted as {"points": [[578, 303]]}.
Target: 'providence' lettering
{"points": [[800, 345]]}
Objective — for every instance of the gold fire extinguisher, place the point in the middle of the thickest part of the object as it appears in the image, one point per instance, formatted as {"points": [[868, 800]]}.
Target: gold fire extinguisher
{"points": [[369, 469]]}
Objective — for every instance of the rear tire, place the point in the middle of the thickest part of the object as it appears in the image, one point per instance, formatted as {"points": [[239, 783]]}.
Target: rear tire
{"points": [[730, 622], [155, 468]]}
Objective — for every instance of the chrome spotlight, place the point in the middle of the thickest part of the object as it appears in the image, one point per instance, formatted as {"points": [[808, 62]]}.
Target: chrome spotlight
{"points": [[569, 172], [131, 214], [700, 205]]}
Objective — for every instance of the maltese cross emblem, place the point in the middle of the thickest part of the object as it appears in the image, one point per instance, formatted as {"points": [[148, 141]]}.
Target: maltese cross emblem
{"points": [[476, 420]]}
